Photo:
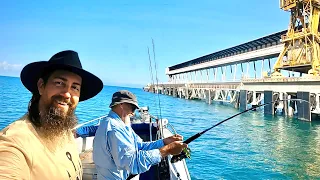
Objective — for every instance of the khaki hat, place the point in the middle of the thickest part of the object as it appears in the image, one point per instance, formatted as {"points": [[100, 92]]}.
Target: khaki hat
{"points": [[124, 96]]}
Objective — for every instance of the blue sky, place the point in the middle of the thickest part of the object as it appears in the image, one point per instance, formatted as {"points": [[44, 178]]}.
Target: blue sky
{"points": [[111, 37]]}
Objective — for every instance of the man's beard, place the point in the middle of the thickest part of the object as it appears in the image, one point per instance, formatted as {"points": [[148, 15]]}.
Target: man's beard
{"points": [[55, 122], [127, 119]]}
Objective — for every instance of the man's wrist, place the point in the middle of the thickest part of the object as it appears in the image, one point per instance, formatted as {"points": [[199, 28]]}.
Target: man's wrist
{"points": [[163, 151]]}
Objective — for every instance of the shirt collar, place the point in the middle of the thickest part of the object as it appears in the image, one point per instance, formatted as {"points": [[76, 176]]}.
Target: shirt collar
{"points": [[115, 116]]}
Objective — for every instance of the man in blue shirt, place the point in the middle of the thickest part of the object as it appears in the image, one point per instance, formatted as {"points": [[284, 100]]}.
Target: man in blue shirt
{"points": [[118, 151]]}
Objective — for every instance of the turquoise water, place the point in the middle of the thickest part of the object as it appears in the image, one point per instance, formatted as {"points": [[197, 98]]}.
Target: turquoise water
{"points": [[251, 146]]}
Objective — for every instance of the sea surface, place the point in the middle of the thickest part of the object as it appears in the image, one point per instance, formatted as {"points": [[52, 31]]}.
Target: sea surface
{"points": [[250, 146]]}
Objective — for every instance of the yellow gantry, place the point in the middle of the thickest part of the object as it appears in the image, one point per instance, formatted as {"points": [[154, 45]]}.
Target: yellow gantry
{"points": [[301, 42]]}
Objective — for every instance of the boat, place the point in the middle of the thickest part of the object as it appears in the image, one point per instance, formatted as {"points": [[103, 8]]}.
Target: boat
{"points": [[149, 128]]}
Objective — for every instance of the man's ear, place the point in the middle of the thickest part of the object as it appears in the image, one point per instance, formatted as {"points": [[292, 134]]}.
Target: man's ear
{"points": [[40, 85]]}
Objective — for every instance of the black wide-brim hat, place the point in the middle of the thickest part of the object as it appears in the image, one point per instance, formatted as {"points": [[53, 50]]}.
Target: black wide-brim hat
{"points": [[65, 60]]}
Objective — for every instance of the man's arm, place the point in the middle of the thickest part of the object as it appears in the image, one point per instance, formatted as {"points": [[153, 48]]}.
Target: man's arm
{"points": [[148, 145], [13, 163], [85, 131], [126, 156], [157, 144]]}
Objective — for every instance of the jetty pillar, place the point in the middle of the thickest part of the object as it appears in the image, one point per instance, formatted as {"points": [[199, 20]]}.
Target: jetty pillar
{"points": [[304, 110], [174, 92], [285, 109], [268, 97], [291, 106], [236, 104], [208, 96], [187, 93], [243, 100]]}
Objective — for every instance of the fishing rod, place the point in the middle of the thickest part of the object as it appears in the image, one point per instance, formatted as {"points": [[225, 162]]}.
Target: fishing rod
{"points": [[164, 163], [157, 81], [186, 152], [150, 68]]}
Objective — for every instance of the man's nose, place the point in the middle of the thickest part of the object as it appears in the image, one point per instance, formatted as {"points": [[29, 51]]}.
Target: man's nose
{"points": [[66, 93]]}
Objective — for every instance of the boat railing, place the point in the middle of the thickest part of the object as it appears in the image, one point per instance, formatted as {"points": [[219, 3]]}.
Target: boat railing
{"points": [[161, 126], [90, 121], [169, 124]]}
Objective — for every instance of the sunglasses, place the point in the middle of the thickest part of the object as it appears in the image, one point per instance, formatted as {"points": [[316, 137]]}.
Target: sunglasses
{"points": [[133, 108]]}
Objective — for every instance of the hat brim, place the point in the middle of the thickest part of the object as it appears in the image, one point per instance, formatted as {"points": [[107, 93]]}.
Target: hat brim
{"points": [[91, 85], [124, 101]]}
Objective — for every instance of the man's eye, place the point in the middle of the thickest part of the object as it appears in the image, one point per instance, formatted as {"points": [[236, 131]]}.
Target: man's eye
{"points": [[76, 88], [58, 83]]}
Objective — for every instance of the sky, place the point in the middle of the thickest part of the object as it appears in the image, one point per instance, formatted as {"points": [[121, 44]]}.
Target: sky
{"points": [[112, 37]]}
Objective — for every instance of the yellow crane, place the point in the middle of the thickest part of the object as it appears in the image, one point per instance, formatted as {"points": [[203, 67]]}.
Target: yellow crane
{"points": [[301, 42]]}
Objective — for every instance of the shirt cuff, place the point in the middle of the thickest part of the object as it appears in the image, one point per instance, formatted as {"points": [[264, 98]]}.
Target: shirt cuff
{"points": [[159, 143], [155, 156]]}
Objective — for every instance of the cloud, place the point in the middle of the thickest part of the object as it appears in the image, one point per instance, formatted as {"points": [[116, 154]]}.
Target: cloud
{"points": [[5, 66]]}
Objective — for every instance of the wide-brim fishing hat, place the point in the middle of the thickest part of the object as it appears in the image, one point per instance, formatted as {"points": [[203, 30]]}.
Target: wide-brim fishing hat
{"points": [[65, 60], [124, 96]]}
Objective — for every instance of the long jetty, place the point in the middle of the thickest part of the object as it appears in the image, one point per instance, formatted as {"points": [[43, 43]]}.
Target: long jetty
{"points": [[205, 78]]}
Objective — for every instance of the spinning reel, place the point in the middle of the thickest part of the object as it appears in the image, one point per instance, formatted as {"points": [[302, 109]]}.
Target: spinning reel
{"points": [[186, 153]]}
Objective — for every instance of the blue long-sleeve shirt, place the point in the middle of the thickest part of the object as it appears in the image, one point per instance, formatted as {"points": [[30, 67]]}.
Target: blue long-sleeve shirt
{"points": [[118, 151]]}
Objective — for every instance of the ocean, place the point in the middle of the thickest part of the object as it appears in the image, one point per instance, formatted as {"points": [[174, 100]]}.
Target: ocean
{"points": [[250, 146]]}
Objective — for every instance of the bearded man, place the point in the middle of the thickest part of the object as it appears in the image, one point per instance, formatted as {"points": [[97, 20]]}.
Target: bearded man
{"points": [[40, 145]]}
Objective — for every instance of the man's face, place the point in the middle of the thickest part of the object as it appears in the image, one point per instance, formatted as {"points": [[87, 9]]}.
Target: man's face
{"points": [[58, 100], [127, 111], [62, 90], [128, 108]]}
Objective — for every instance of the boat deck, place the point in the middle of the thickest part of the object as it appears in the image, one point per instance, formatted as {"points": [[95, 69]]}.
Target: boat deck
{"points": [[89, 169]]}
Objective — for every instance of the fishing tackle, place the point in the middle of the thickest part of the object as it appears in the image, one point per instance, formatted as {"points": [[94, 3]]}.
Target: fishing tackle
{"points": [[186, 152]]}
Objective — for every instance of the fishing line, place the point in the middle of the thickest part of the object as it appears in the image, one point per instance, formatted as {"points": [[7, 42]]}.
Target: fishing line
{"points": [[185, 153]]}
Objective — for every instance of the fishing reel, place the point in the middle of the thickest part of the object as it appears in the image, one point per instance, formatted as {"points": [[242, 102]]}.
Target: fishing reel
{"points": [[186, 153]]}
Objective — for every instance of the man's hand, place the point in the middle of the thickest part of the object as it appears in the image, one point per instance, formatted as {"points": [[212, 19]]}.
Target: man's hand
{"points": [[173, 138], [74, 132], [173, 148]]}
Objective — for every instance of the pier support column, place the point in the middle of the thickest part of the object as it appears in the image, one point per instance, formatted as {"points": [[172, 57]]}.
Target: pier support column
{"points": [[187, 93], [254, 100], [285, 104], [304, 110], [243, 100], [208, 96], [291, 107], [174, 92], [268, 97], [236, 104]]}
